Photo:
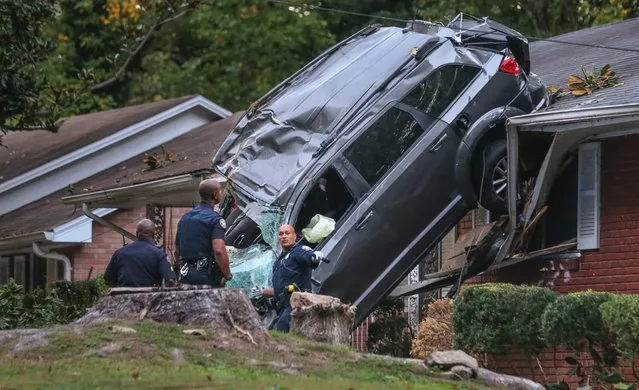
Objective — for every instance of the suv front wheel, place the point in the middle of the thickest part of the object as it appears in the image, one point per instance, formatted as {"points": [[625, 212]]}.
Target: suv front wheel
{"points": [[491, 177]]}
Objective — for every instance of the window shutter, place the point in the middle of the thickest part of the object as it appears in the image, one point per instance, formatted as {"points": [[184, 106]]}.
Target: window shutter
{"points": [[588, 196]]}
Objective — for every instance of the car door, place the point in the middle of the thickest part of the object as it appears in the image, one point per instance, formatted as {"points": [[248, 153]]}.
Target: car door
{"points": [[407, 157]]}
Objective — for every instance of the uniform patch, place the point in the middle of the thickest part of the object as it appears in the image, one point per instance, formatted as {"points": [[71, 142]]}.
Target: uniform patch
{"points": [[308, 248], [223, 223]]}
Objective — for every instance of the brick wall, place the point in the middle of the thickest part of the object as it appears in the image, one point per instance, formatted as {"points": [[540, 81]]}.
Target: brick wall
{"points": [[104, 242], [614, 267], [98, 253]]}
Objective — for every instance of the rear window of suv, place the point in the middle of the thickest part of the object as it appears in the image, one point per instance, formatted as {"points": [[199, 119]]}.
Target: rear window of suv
{"points": [[440, 88]]}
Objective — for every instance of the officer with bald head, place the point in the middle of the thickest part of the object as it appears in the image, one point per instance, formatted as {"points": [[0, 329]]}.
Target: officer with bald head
{"points": [[200, 245], [293, 267], [141, 263]]}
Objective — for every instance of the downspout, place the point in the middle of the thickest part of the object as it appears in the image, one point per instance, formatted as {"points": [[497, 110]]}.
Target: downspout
{"points": [[54, 256], [104, 222]]}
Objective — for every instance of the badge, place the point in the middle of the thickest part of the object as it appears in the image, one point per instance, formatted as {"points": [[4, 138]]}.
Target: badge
{"points": [[223, 223]]}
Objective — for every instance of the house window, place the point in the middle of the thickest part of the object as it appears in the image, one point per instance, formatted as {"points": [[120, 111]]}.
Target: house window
{"points": [[16, 267], [440, 88], [588, 196], [382, 144]]}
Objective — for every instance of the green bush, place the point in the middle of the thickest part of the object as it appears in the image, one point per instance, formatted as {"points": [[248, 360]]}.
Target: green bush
{"points": [[36, 309], [390, 334], [621, 316], [574, 320], [491, 318], [78, 296]]}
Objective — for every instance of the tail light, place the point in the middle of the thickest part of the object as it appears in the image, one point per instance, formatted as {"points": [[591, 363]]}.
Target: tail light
{"points": [[510, 66]]}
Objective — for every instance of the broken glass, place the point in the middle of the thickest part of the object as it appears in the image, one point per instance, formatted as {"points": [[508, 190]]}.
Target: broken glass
{"points": [[253, 266]]}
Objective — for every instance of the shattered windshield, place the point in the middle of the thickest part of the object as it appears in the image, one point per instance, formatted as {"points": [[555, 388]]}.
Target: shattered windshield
{"points": [[253, 266]]}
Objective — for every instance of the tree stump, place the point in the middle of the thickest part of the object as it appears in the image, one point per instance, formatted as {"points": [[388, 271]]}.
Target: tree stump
{"points": [[321, 318], [226, 312]]}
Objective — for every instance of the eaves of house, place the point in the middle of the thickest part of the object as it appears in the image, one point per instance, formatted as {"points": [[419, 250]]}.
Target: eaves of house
{"points": [[39, 167]]}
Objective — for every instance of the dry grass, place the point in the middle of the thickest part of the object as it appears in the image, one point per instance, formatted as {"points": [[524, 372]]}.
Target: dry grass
{"points": [[436, 331]]}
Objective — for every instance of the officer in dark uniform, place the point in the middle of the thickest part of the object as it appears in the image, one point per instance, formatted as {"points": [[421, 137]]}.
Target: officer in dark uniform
{"points": [[141, 263], [293, 267], [199, 242]]}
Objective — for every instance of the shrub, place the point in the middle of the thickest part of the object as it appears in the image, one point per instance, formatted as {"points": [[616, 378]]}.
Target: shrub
{"points": [[436, 330], [574, 320], [78, 296], [18, 310], [621, 315], [491, 318], [390, 334]]}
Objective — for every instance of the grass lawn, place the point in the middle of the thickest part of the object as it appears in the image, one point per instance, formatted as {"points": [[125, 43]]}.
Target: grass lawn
{"points": [[147, 359]]}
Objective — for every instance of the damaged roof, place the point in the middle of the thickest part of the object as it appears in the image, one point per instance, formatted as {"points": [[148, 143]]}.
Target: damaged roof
{"points": [[555, 61], [192, 153]]}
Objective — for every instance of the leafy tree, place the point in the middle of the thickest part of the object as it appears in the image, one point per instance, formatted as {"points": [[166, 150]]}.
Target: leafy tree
{"points": [[21, 48], [231, 51], [97, 42]]}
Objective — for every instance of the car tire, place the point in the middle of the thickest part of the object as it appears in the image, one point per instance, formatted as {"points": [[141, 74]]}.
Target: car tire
{"points": [[491, 177]]}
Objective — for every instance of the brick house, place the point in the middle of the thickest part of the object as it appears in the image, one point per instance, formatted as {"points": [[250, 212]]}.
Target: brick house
{"points": [[41, 238], [588, 188]]}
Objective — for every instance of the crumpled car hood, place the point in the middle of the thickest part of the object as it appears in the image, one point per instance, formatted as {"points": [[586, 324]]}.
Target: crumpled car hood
{"points": [[268, 151]]}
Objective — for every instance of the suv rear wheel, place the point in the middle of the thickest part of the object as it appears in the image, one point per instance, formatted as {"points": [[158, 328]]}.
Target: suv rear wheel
{"points": [[491, 177]]}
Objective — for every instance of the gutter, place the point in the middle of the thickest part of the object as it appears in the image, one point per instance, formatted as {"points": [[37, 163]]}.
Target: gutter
{"points": [[21, 240], [553, 118], [104, 222], [54, 256], [149, 187]]}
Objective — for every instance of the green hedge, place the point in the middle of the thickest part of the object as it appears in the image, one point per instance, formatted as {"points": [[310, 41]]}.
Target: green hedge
{"points": [[574, 320], [35, 309], [79, 293], [621, 316], [491, 318]]}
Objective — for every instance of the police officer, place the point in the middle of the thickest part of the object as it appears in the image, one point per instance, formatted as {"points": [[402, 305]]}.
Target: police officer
{"points": [[199, 242], [293, 267], [141, 263]]}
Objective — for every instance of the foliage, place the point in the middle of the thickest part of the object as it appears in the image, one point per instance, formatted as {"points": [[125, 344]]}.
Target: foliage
{"points": [[591, 81], [66, 302], [22, 47], [35, 309], [574, 320], [436, 331], [78, 296], [390, 334], [621, 315], [491, 318], [158, 160], [231, 51]]}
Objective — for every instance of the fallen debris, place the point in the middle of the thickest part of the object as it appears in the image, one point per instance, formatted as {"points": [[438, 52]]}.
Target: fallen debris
{"points": [[122, 329], [195, 332]]}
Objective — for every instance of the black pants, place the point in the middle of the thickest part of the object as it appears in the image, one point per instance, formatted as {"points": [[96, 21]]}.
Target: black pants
{"points": [[202, 276]]}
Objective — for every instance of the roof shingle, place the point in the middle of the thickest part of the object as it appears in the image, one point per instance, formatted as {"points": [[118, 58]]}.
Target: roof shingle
{"points": [[26, 150], [554, 62]]}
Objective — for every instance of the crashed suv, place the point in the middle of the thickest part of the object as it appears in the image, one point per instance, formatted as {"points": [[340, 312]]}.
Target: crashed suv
{"points": [[392, 136]]}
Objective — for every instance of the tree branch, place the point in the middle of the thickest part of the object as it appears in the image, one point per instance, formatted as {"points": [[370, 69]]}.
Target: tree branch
{"points": [[123, 69]]}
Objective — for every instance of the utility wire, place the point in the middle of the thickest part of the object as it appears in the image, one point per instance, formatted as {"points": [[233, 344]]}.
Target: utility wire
{"points": [[345, 12], [582, 44], [337, 11]]}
